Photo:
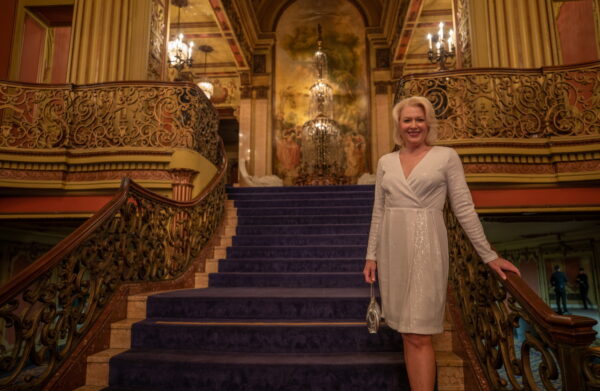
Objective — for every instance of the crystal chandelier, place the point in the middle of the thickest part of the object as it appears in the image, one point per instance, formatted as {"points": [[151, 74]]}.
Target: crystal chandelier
{"points": [[180, 52], [204, 84], [322, 153]]}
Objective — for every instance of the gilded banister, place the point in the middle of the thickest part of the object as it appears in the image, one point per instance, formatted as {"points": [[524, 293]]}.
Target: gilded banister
{"points": [[35, 117], [554, 351], [511, 103], [139, 236]]}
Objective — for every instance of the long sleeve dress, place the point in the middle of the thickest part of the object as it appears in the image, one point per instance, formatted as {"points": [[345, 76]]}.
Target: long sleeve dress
{"points": [[409, 241]]}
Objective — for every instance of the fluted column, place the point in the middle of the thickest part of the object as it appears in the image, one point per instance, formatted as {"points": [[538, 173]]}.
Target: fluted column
{"points": [[513, 34], [383, 138], [117, 40], [245, 130], [261, 155], [182, 181]]}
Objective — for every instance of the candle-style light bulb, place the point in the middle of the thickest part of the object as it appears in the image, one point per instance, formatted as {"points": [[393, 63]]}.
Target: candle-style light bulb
{"points": [[438, 46], [441, 32], [430, 43], [450, 39]]}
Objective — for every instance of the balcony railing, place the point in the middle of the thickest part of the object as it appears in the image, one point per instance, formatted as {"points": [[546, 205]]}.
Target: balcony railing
{"points": [[511, 103], [35, 117]]}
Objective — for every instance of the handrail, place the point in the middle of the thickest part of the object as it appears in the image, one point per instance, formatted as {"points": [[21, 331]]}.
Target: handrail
{"points": [[516, 104], [133, 114], [491, 308], [138, 236]]}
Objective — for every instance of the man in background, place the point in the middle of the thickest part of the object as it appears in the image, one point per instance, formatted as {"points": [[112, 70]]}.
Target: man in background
{"points": [[584, 287], [559, 281]]}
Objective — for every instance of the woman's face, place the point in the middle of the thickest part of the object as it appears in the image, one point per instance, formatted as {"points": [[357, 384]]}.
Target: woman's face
{"points": [[412, 126]]}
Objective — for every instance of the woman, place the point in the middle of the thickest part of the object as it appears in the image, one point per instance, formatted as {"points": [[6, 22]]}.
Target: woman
{"points": [[408, 245]]}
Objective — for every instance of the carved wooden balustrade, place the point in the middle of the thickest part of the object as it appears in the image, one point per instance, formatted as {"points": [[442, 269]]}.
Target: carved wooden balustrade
{"points": [[138, 237], [36, 117], [511, 103], [553, 354], [509, 122]]}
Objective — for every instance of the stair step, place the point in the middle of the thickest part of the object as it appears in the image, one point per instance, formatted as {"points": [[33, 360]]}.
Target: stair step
{"points": [[263, 337], [303, 229], [287, 280], [306, 211], [299, 195], [150, 370], [291, 265], [252, 203], [304, 220], [342, 189], [261, 303], [300, 240], [325, 251]]}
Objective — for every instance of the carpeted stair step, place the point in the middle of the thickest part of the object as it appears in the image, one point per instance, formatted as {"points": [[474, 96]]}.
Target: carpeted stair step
{"points": [[306, 211], [263, 337], [341, 304], [251, 203], [300, 240], [343, 189], [286, 280], [299, 195], [296, 252], [296, 265], [304, 229], [149, 370], [304, 219]]}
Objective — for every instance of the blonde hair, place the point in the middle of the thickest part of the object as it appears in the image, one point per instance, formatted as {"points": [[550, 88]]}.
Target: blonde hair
{"points": [[430, 119]]}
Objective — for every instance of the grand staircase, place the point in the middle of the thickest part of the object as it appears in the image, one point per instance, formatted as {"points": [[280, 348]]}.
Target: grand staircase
{"points": [[284, 312]]}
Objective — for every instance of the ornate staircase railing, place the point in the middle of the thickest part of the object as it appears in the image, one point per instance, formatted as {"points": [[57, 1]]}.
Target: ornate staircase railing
{"points": [[553, 354], [35, 117], [511, 103], [138, 237]]}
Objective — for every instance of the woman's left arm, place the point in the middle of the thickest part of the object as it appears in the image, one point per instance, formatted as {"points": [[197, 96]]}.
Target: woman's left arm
{"points": [[464, 209]]}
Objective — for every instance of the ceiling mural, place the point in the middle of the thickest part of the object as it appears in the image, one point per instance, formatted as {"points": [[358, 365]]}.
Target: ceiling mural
{"points": [[345, 47]]}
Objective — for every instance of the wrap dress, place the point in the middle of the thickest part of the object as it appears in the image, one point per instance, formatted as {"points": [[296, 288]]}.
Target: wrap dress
{"points": [[409, 241]]}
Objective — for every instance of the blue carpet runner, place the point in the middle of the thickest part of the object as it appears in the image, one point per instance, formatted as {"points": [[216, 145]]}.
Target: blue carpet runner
{"points": [[285, 312]]}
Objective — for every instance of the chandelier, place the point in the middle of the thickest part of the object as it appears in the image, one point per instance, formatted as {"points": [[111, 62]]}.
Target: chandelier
{"points": [[204, 84], [444, 47], [322, 153], [180, 52]]}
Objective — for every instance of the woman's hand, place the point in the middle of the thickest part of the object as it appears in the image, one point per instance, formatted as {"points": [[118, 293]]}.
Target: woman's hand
{"points": [[499, 265], [370, 271]]}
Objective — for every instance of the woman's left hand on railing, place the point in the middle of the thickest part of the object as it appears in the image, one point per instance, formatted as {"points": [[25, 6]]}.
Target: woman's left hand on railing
{"points": [[499, 265]]}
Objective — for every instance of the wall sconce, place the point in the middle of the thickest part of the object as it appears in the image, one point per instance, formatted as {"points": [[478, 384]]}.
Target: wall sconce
{"points": [[444, 47]]}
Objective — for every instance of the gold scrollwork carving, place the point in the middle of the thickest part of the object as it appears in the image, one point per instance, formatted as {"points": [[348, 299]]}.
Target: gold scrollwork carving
{"points": [[553, 101], [144, 238], [152, 114], [540, 358]]}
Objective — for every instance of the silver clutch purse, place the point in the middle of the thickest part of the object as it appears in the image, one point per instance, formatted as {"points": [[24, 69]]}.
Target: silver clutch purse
{"points": [[373, 314]]}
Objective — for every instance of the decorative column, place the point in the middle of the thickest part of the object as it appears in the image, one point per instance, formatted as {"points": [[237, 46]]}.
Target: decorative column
{"points": [[118, 40], [513, 34], [245, 130], [183, 186], [383, 123], [261, 155]]}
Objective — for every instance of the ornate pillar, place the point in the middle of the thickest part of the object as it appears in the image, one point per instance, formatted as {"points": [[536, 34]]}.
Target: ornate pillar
{"points": [[245, 130], [182, 181], [383, 122], [261, 152], [512, 33], [118, 40]]}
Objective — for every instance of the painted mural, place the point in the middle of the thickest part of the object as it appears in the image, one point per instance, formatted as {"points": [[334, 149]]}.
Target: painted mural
{"points": [[343, 36]]}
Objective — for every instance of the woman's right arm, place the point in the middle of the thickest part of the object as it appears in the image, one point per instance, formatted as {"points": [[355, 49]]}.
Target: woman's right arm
{"points": [[378, 207]]}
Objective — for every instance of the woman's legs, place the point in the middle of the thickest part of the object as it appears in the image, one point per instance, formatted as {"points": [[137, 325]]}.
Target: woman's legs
{"points": [[420, 361]]}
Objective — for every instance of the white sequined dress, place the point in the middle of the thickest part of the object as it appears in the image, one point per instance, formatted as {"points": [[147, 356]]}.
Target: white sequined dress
{"points": [[409, 241]]}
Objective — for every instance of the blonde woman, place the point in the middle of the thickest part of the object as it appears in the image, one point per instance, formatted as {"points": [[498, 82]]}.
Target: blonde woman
{"points": [[408, 245]]}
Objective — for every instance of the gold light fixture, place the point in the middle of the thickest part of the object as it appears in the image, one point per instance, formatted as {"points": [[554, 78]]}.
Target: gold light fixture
{"points": [[205, 85], [444, 47], [180, 52]]}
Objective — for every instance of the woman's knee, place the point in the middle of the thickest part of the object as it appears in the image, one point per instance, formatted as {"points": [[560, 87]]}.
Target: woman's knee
{"points": [[417, 341]]}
